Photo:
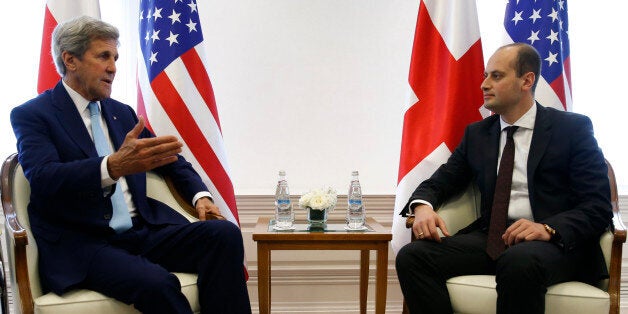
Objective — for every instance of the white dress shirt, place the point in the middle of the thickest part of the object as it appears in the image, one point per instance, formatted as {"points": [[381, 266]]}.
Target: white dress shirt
{"points": [[519, 206]]}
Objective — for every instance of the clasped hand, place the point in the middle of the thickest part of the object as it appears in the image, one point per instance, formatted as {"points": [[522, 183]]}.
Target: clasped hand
{"points": [[142, 154], [525, 230]]}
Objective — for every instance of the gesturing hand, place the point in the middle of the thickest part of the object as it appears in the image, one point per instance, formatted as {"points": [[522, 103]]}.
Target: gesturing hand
{"points": [[425, 223], [139, 155]]}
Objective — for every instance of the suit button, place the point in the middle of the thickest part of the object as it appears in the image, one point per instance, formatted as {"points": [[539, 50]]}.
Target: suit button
{"points": [[107, 216]]}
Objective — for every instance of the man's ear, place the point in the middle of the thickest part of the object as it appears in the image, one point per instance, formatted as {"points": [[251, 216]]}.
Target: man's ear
{"points": [[69, 60], [528, 80]]}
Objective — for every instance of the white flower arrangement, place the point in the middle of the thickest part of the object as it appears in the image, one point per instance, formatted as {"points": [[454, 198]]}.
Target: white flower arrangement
{"points": [[319, 199]]}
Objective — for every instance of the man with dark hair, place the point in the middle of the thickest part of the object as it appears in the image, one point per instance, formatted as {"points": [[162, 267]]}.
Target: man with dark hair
{"points": [[545, 199], [86, 156]]}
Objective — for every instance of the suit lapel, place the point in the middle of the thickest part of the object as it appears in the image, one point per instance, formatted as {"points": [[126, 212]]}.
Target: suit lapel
{"points": [[71, 120], [540, 140]]}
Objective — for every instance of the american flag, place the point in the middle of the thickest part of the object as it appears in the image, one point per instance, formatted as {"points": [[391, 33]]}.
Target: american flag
{"points": [[175, 93], [544, 25]]}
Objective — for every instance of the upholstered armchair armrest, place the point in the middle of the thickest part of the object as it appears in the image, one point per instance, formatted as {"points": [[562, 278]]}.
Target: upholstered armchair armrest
{"points": [[619, 238], [16, 234], [186, 204]]}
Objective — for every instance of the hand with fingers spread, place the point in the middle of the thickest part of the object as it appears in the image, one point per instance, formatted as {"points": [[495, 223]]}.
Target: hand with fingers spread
{"points": [[142, 154], [525, 230], [426, 222], [205, 206]]}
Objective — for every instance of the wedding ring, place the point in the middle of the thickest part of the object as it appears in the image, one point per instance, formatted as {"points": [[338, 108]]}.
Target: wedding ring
{"points": [[420, 235]]}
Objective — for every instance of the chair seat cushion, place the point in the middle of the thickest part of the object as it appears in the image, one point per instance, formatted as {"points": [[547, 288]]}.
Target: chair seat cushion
{"points": [[477, 294], [87, 301]]}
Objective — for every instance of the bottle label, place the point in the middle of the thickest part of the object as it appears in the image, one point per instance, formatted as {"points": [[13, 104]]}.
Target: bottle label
{"points": [[355, 202], [283, 202]]}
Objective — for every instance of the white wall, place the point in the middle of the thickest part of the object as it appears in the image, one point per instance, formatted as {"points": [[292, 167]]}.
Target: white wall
{"points": [[322, 84], [317, 87]]}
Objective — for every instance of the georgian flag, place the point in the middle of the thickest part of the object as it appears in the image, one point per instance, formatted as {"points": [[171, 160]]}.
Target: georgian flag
{"points": [[446, 71]]}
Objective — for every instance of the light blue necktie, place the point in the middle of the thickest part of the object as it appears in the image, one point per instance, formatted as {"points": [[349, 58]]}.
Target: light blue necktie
{"points": [[120, 218]]}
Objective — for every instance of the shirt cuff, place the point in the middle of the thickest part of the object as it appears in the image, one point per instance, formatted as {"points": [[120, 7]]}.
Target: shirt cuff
{"points": [[105, 178], [200, 195], [415, 202]]}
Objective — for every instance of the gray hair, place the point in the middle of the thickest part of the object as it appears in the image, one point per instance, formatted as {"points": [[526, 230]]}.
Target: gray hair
{"points": [[75, 36]]}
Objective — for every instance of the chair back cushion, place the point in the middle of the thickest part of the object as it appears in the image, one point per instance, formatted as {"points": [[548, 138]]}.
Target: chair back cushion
{"points": [[157, 188], [461, 210]]}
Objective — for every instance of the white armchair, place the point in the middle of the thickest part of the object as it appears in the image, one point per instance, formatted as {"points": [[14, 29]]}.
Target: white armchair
{"points": [[22, 256], [476, 293]]}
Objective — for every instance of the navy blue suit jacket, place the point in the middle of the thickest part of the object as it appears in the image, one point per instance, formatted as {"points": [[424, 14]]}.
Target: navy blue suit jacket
{"points": [[68, 212], [567, 178]]}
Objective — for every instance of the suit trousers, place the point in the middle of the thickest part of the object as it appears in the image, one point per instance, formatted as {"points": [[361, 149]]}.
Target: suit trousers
{"points": [[136, 267], [523, 272]]}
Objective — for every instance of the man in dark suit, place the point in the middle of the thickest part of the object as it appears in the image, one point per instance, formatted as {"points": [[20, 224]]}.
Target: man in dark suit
{"points": [[94, 225], [558, 203]]}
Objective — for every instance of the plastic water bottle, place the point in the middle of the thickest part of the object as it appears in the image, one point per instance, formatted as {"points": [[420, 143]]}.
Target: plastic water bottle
{"points": [[284, 216], [356, 214]]}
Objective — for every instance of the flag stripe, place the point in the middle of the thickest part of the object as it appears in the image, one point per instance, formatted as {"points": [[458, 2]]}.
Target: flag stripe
{"points": [[186, 125], [184, 83], [558, 85], [141, 109], [197, 71]]}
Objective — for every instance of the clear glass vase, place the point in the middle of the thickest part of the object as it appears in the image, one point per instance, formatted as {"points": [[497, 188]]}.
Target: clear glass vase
{"points": [[316, 217]]}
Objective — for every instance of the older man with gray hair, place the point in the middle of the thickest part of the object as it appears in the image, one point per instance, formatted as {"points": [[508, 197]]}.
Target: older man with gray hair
{"points": [[86, 156]]}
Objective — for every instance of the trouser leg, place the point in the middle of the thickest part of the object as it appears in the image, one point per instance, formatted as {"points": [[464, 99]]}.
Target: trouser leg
{"points": [[215, 251], [423, 268], [525, 270], [134, 280]]}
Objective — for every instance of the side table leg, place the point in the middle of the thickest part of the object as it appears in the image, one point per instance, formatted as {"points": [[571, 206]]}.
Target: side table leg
{"points": [[381, 279], [364, 279], [263, 273]]}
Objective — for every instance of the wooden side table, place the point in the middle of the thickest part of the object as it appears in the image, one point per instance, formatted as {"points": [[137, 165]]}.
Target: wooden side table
{"points": [[377, 238]]}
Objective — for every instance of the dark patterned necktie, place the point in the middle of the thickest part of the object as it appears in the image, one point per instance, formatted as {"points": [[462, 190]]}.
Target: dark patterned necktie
{"points": [[499, 212]]}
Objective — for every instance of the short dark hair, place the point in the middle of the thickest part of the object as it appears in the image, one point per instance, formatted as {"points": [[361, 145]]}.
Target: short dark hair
{"points": [[528, 60]]}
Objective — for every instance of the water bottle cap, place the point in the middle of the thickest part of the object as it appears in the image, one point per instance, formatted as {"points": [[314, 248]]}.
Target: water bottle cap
{"points": [[282, 173], [354, 173]]}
